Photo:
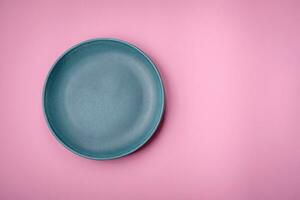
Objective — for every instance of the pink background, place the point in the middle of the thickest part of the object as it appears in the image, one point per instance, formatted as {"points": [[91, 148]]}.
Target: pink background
{"points": [[232, 76]]}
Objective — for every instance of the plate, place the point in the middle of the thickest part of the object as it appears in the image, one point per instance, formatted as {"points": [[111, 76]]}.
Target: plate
{"points": [[103, 99]]}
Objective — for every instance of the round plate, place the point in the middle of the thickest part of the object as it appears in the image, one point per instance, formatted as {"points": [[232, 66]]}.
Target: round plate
{"points": [[103, 99]]}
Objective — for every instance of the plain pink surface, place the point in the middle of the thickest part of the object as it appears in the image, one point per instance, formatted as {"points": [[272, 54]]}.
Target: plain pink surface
{"points": [[232, 75]]}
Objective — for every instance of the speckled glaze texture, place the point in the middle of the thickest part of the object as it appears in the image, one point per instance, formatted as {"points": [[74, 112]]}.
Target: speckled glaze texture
{"points": [[103, 99]]}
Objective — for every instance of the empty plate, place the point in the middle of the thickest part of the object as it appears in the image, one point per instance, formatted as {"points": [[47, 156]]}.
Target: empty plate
{"points": [[103, 99]]}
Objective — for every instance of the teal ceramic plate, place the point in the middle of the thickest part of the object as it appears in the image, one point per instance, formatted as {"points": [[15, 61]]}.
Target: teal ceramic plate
{"points": [[103, 99]]}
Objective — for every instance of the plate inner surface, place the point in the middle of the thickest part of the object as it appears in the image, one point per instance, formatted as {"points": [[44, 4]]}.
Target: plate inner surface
{"points": [[103, 99]]}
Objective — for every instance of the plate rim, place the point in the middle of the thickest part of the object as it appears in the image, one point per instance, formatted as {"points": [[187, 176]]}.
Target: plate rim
{"points": [[151, 132]]}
